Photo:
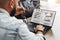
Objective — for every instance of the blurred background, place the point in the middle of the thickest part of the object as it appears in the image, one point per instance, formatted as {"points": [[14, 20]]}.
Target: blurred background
{"points": [[54, 5]]}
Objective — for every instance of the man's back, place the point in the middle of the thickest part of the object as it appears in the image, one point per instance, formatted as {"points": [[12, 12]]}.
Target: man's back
{"points": [[9, 25]]}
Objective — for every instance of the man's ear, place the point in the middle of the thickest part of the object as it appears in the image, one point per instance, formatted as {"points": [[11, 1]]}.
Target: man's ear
{"points": [[11, 4]]}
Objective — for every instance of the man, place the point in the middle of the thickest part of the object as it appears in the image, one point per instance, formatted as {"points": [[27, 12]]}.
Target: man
{"points": [[12, 28]]}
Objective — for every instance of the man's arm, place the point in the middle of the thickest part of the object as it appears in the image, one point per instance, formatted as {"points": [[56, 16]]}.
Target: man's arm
{"points": [[25, 34]]}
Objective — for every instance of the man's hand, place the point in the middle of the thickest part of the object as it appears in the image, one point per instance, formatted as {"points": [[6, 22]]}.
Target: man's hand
{"points": [[39, 27], [20, 10]]}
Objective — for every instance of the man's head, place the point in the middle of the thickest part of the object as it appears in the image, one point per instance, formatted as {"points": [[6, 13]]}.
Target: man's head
{"points": [[8, 5]]}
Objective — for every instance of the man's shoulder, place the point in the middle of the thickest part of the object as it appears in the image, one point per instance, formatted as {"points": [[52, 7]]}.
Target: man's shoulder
{"points": [[16, 20], [10, 20]]}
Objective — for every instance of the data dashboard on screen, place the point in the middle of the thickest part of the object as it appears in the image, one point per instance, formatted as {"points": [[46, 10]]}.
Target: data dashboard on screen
{"points": [[43, 16]]}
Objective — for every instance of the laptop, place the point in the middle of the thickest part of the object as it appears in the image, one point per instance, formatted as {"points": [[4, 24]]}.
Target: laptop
{"points": [[43, 17]]}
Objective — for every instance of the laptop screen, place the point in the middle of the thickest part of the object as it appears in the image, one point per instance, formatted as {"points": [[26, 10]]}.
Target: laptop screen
{"points": [[43, 16]]}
